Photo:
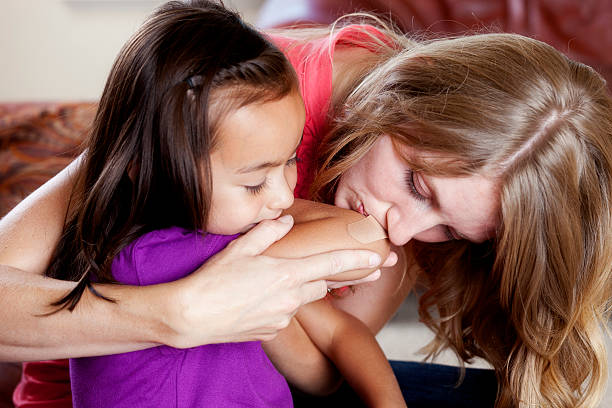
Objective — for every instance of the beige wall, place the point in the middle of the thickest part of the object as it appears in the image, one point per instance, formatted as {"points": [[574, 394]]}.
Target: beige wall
{"points": [[63, 49]]}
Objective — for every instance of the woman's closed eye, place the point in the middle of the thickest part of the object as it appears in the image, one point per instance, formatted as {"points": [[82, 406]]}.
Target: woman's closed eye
{"points": [[412, 187]]}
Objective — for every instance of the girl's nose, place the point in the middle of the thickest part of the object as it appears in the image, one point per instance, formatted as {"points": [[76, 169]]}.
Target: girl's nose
{"points": [[282, 195]]}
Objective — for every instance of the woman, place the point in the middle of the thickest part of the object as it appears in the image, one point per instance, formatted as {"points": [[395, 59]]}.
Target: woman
{"points": [[495, 146], [501, 146]]}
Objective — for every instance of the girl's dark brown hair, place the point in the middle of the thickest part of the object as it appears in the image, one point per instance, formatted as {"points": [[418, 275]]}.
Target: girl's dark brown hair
{"points": [[146, 164]]}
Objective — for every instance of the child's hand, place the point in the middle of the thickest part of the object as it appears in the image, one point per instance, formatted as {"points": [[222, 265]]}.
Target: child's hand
{"points": [[241, 295]]}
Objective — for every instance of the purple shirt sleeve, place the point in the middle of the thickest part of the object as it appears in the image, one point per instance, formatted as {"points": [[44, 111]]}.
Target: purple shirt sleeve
{"points": [[166, 255]]}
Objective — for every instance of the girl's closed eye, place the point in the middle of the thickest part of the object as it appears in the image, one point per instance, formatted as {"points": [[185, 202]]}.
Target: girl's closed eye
{"points": [[293, 161], [258, 188]]}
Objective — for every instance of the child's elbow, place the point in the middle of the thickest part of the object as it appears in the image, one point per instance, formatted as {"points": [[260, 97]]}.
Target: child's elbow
{"points": [[321, 387], [362, 233]]}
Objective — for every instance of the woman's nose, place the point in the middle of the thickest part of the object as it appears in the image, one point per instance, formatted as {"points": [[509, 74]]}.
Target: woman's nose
{"points": [[403, 227]]}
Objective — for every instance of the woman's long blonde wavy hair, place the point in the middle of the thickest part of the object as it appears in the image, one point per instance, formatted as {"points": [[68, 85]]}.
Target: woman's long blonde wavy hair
{"points": [[534, 300]]}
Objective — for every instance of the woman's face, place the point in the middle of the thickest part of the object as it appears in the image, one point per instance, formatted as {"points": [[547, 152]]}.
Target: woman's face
{"points": [[416, 206]]}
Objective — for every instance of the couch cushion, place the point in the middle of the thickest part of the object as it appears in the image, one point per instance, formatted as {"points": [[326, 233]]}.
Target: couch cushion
{"points": [[37, 140]]}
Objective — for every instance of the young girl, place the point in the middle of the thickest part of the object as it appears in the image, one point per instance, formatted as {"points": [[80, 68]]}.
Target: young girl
{"points": [[197, 130]]}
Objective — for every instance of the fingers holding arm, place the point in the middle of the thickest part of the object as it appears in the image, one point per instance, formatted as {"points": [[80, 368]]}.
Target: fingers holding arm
{"points": [[389, 262], [239, 295]]}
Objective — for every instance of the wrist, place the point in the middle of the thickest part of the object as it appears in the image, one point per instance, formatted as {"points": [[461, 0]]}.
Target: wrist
{"points": [[167, 314], [140, 310], [177, 320]]}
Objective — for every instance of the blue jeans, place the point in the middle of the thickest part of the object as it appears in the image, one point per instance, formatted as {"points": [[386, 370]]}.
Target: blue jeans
{"points": [[423, 385]]}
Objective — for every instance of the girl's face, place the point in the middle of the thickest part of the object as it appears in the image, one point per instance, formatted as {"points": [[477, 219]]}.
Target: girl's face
{"points": [[254, 164], [417, 206]]}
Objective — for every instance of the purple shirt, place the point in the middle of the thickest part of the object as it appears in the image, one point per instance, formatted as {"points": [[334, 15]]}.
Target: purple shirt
{"points": [[215, 375]]}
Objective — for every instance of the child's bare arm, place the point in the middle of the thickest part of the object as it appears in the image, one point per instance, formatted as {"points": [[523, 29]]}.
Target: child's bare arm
{"points": [[352, 347], [300, 361], [320, 228]]}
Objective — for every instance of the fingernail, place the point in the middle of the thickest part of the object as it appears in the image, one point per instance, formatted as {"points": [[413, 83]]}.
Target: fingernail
{"points": [[286, 219], [374, 260], [374, 275]]}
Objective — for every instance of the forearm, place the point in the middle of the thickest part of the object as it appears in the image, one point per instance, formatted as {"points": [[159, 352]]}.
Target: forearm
{"points": [[28, 235], [352, 348], [301, 362], [376, 302], [364, 366], [95, 327], [318, 228], [322, 228]]}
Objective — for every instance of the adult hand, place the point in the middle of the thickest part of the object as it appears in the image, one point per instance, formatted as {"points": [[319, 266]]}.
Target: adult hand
{"points": [[241, 295], [390, 261]]}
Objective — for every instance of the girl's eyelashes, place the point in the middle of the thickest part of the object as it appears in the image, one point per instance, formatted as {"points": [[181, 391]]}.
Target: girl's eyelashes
{"points": [[409, 177], [258, 188], [293, 161]]}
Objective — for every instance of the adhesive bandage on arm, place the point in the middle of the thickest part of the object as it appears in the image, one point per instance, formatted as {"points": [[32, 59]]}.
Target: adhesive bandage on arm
{"points": [[366, 230]]}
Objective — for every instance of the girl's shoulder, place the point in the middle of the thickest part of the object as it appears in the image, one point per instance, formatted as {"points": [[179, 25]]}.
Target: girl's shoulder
{"points": [[166, 255]]}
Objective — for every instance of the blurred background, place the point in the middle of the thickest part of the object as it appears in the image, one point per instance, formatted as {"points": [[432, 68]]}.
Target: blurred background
{"points": [[62, 51]]}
